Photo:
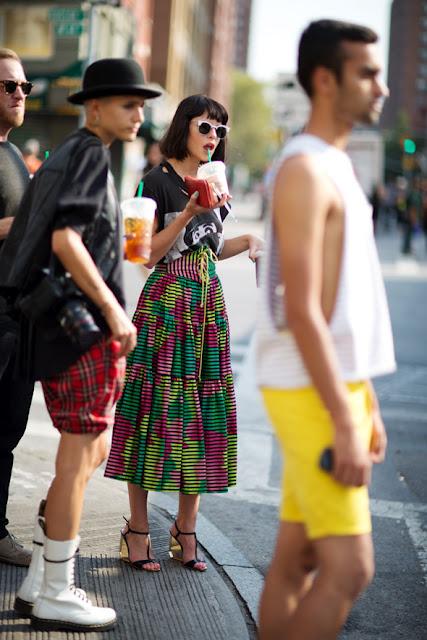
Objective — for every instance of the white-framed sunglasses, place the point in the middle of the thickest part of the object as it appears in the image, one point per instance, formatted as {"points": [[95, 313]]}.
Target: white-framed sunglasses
{"points": [[204, 127]]}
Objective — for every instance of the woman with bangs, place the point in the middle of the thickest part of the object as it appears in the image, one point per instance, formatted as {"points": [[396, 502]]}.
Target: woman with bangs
{"points": [[175, 427]]}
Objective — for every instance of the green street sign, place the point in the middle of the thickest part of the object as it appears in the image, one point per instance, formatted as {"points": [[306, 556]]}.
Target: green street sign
{"points": [[66, 14], [68, 29]]}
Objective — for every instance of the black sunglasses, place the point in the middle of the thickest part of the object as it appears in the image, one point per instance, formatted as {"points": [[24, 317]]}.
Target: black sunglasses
{"points": [[10, 86], [205, 127]]}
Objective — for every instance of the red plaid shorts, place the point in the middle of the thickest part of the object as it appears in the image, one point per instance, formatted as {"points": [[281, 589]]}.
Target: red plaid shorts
{"points": [[81, 399]]}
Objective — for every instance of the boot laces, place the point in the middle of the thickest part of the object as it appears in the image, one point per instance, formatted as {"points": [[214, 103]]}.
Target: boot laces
{"points": [[80, 593]]}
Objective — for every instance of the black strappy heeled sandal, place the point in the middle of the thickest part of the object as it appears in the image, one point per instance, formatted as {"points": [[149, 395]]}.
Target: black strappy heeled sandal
{"points": [[125, 554], [176, 552]]}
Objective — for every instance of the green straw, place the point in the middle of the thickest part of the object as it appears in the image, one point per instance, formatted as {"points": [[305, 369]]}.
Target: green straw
{"points": [[209, 155], [140, 188], [46, 155]]}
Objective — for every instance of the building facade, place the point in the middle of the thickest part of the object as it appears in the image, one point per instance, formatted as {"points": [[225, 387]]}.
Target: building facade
{"points": [[243, 11], [184, 47], [407, 69]]}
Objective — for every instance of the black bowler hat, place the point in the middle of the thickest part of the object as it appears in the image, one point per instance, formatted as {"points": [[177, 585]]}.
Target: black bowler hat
{"points": [[113, 77]]}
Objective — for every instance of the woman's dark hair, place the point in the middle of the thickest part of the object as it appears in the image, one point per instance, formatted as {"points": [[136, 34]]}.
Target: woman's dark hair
{"points": [[174, 142], [321, 46]]}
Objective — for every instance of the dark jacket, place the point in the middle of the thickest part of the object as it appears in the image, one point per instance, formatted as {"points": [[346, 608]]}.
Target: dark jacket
{"points": [[63, 193]]}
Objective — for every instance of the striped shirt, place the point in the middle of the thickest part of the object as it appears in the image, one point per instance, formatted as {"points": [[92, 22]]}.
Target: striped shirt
{"points": [[360, 324]]}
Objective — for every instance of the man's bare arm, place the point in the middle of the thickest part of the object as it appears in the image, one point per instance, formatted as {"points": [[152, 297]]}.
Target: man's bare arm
{"points": [[5, 225], [72, 253], [301, 202]]}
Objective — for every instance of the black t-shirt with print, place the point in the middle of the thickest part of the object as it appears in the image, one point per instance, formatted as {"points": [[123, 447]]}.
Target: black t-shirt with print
{"points": [[168, 189]]}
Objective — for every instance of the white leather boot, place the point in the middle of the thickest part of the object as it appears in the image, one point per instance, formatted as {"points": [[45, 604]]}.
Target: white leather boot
{"points": [[60, 605], [29, 589]]}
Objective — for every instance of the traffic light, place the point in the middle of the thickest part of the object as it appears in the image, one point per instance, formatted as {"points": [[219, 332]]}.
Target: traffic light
{"points": [[409, 146]]}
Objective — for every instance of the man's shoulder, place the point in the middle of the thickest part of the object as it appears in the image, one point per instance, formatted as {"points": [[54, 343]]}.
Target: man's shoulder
{"points": [[74, 152], [299, 166], [10, 152], [79, 141]]}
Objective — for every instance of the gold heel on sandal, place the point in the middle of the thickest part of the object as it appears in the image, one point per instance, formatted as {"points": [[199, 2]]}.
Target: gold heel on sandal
{"points": [[176, 552], [125, 554]]}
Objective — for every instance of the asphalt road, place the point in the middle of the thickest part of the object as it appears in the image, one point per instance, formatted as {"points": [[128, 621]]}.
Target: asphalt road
{"points": [[395, 606]]}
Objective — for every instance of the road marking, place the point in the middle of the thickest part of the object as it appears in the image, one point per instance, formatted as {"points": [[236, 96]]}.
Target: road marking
{"points": [[401, 269], [411, 513]]}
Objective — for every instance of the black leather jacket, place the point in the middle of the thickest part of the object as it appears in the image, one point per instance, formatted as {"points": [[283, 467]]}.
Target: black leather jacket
{"points": [[73, 188]]}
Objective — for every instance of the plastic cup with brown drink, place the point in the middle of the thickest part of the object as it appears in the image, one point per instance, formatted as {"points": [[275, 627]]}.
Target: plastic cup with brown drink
{"points": [[138, 214]]}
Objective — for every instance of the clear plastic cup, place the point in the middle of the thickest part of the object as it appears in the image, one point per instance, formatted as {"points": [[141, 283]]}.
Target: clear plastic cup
{"points": [[214, 173], [138, 214]]}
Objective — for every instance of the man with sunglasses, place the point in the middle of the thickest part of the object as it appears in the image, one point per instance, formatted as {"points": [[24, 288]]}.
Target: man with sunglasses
{"points": [[15, 394]]}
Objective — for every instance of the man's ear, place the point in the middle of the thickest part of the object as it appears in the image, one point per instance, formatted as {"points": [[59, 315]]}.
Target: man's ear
{"points": [[323, 81], [92, 110]]}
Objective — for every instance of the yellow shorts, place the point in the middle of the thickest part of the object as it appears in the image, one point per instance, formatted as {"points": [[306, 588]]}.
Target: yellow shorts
{"points": [[309, 495]]}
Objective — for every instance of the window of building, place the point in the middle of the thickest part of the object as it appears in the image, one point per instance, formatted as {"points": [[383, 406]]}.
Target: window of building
{"points": [[422, 84], [28, 31]]}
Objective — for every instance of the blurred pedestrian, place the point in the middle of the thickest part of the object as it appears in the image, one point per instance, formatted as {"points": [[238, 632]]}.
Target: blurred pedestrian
{"points": [[75, 343], [413, 214], [424, 209], [376, 199], [175, 426], [15, 393], [324, 331], [31, 152], [400, 200], [153, 157]]}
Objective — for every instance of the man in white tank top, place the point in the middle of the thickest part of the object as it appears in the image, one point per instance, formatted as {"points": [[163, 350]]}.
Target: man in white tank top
{"points": [[324, 331]]}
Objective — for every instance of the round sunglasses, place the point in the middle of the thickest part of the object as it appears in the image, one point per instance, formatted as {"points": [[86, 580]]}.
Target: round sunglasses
{"points": [[10, 86], [204, 128]]}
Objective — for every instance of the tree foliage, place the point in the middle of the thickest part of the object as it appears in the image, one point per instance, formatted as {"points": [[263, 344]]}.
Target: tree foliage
{"points": [[251, 125]]}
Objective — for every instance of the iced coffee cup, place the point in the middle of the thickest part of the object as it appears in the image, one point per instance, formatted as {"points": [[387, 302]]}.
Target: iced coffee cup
{"points": [[214, 173], [138, 214]]}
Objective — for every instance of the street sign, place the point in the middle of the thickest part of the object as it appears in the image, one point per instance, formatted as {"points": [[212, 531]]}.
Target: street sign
{"points": [[68, 29], [66, 14]]}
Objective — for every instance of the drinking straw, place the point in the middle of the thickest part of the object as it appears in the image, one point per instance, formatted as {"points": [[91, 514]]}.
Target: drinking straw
{"points": [[140, 188], [46, 155], [209, 155]]}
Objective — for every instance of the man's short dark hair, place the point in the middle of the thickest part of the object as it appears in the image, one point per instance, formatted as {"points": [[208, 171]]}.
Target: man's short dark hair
{"points": [[174, 142], [321, 46]]}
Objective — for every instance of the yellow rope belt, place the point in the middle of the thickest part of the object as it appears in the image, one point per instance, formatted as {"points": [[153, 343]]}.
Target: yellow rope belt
{"points": [[204, 256]]}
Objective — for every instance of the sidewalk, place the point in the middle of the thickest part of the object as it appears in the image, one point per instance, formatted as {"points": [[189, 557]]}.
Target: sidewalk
{"points": [[175, 603]]}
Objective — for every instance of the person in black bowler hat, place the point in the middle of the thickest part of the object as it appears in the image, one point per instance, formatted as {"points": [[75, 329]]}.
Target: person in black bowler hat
{"points": [[78, 232]]}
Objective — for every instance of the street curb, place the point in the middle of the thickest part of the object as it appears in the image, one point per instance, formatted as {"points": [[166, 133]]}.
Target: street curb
{"points": [[247, 580]]}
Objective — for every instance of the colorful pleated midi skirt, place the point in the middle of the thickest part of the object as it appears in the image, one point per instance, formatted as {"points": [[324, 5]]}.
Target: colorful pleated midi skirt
{"points": [[175, 425]]}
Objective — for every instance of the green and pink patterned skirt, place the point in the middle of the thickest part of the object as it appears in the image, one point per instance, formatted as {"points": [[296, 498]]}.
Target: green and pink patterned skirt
{"points": [[175, 426]]}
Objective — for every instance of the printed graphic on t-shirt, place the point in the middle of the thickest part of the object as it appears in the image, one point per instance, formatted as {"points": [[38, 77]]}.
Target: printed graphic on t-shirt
{"points": [[204, 230]]}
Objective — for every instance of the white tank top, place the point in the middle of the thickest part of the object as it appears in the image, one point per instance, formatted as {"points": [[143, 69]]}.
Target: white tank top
{"points": [[360, 323]]}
